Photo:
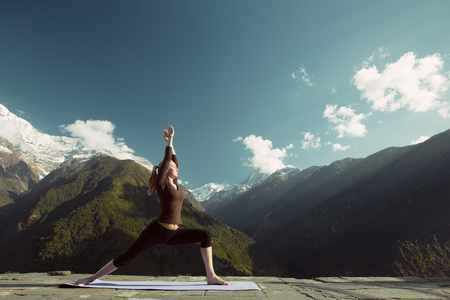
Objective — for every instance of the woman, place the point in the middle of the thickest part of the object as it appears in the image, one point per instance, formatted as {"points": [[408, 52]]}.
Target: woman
{"points": [[165, 230]]}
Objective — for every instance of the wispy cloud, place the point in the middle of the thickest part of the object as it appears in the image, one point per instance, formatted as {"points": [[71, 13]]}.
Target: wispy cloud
{"points": [[417, 84], [98, 135], [302, 75], [378, 55], [265, 158], [339, 147], [310, 141], [347, 121]]}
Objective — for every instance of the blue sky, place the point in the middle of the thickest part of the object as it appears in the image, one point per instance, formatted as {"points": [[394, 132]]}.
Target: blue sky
{"points": [[246, 84]]}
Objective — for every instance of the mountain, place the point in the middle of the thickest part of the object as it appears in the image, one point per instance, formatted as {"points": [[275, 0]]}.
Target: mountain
{"points": [[191, 198], [203, 193], [16, 175], [214, 196], [246, 210], [86, 212], [213, 192], [228, 202], [255, 178], [345, 219], [47, 152]]}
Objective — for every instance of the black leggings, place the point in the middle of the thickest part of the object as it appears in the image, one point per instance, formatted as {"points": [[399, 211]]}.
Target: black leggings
{"points": [[156, 234]]}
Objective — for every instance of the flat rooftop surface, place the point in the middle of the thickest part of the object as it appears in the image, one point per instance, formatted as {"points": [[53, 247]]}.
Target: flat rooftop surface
{"points": [[44, 286]]}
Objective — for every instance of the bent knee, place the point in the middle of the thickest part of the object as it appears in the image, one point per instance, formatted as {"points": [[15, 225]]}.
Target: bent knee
{"points": [[206, 241]]}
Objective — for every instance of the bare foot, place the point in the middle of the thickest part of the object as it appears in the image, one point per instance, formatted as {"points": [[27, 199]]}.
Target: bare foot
{"points": [[216, 280], [84, 281]]}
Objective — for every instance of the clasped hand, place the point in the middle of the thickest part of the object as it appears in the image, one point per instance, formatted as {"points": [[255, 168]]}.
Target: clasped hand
{"points": [[168, 134]]}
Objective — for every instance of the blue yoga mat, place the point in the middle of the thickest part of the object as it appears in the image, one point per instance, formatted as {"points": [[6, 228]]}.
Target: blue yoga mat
{"points": [[167, 286]]}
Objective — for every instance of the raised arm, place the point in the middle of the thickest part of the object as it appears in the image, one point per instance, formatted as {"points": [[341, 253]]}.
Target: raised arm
{"points": [[169, 155], [158, 177]]}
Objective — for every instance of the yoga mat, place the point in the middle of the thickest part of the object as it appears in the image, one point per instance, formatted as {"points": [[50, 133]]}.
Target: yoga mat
{"points": [[167, 286]]}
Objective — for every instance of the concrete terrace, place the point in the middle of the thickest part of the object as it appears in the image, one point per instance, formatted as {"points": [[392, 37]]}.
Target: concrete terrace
{"points": [[45, 286]]}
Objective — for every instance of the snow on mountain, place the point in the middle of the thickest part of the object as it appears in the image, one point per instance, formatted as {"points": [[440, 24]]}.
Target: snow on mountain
{"points": [[203, 193], [213, 191], [286, 172], [5, 150], [45, 151], [225, 190]]}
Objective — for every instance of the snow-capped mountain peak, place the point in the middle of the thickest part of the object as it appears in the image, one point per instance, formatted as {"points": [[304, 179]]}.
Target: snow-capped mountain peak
{"points": [[203, 193], [284, 172], [47, 152], [218, 192]]}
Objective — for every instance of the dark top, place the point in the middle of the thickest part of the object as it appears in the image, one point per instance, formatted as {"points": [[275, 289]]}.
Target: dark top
{"points": [[170, 198]]}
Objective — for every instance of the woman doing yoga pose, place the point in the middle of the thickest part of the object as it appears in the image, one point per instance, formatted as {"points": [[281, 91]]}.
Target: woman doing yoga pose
{"points": [[164, 230]]}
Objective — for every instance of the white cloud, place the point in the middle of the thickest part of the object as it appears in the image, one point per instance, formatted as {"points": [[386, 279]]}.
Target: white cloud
{"points": [[310, 141], [238, 139], [98, 135], [416, 84], [339, 147], [444, 110], [265, 158], [302, 75], [290, 146], [348, 123], [10, 131], [420, 140]]}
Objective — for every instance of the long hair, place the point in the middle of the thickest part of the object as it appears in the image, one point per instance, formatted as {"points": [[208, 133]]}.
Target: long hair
{"points": [[152, 179]]}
